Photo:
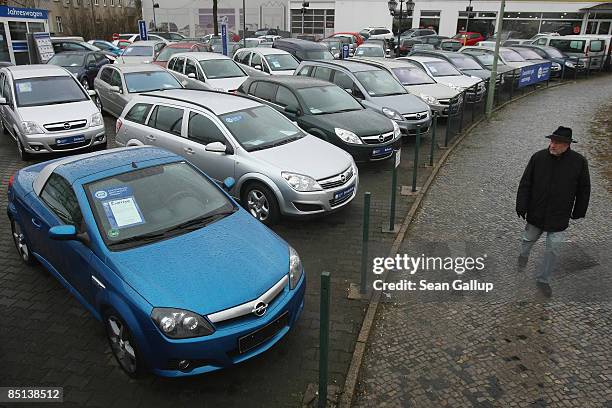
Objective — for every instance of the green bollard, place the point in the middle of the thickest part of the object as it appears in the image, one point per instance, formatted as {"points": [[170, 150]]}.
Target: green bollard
{"points": [[324, 338], [364, 246], [393, 188], [415, 167], [448, 125], [433, 138]]}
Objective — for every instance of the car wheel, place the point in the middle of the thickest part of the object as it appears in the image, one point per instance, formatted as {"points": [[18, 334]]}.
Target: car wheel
{"points": [[4, 129], [85, 84], [20, 244], [23, 155], [122, 345], [261, 203]]}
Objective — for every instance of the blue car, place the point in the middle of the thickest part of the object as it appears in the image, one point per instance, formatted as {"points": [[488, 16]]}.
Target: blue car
{"points": [[184, 280], [106, 46]]}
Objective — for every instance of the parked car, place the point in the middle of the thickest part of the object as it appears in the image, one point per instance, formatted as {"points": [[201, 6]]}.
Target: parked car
{"points": [[536, 58], [216, 44], [307, 37], [334, 45], [374, 88], [141, 52], [462, 62], [117, 85], [123, 231], [269, 60], [63, 44], [422, 47], [269, 39], [174, 48], [215, 70], [106, 46], [407, 43], [586, 49], [509, 57], [554, 55], [43, 120], [469, 37], [376, 33], [132, 38], [440, 98], [356, 38], [417, 32], [280, 170], [253, 42], [485, 60], [370, 50], [445, 73], [83, 65], [303, 50], [329, 113], [450, 45], [170, 36]]}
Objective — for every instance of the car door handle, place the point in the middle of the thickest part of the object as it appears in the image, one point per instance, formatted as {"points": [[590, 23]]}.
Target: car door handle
{"points": [[97, 282], [151, 138], [189, 150], [36, 223]]}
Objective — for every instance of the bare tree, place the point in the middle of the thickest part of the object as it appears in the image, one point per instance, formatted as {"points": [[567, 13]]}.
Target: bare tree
{"points": [[215, 17]]}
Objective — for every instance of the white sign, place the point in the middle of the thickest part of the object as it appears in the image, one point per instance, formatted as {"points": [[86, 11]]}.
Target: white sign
{"points": [[398, 156], [125, 212]]}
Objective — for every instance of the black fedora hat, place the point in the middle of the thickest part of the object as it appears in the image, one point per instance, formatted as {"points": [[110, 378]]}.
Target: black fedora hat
{"points": [[562, 134]]}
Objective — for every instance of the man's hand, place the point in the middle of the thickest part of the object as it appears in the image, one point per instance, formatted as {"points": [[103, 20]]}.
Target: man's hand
{"points": [[521, 214]]}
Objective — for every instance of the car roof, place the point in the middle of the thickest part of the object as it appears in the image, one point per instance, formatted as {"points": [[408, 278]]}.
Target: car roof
{"points": [[295, 82], [184, 44], [128, 68], [78, 166], [352, 65], [201, 55], [423, 59], [145, 43], [218, 102], [305, 44], [370, 45], [389, 63], [76, 52], [267, 50], [443, 53], [37, 70]]}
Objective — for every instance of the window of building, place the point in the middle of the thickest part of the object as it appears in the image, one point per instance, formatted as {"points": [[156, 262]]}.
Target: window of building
{"points": [[18, 30], [430, 19], [313, 21]]}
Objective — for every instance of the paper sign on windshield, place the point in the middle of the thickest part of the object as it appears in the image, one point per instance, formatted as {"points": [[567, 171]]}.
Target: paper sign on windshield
{"points": [[125, 212]]}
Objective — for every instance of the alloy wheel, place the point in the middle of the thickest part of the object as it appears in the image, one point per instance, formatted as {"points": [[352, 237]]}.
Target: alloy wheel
{"points": [[20, 243], [121, 344], [85, 84], [258, 205]]}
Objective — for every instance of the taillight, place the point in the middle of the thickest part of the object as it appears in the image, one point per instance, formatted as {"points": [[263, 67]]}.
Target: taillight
{"points": [[11, 180], [118, 126]]}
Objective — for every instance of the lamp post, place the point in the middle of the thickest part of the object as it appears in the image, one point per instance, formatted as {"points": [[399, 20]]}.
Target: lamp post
{"points": [[155, 5], [392, 4]]}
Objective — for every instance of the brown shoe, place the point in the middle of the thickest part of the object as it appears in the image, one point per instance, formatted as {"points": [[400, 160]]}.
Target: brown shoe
{"points": [[544, 288]]}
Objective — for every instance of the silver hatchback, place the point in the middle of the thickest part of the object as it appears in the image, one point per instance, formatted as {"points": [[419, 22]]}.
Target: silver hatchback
{"points": [[278, 168]]}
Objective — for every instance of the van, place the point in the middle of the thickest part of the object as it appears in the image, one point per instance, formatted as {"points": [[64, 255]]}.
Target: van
{"points": [[303, 50], [584, 47]]}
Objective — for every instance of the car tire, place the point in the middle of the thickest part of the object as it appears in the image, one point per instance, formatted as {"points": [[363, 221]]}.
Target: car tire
{"points": [[23, 155], [98, 103], [4, 129], [21, 244], [122, 345], [261, 203]]}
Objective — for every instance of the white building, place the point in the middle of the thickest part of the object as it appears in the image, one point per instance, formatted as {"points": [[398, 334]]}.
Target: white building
{"points": [[323, 17]]}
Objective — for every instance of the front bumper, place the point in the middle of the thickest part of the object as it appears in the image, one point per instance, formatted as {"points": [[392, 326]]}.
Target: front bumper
{"points": [[368, 152], [50, 142], [409, 125], [220, 349]]}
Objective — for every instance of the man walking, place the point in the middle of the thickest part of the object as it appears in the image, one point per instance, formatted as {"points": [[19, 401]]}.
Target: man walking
{"points": [[554, 188]]}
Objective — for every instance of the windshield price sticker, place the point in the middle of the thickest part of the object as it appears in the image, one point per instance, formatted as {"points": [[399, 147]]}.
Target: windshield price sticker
{"points": [[232, 119], [276, 64], [120, 207], [24, 87]]}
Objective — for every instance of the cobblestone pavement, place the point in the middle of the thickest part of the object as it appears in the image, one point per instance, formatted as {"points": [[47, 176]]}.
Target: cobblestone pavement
{"points": [[509, 347], [48, 338]]}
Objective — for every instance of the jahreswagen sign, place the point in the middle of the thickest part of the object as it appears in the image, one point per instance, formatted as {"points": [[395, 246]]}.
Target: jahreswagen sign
{"points": [[16, 12]]}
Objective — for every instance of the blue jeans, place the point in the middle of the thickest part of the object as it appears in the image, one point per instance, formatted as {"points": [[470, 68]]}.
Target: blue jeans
{"points": [[553, 246]]}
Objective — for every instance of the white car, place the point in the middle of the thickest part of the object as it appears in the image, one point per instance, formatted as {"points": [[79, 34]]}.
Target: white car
{"points": [[136, 37], [269, 39], [141, 52], [269, 60], [377, 33], [213, 69]]}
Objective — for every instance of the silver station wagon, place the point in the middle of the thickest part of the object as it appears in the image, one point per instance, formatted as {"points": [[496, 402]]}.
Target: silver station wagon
{"points": [[278, 168]]}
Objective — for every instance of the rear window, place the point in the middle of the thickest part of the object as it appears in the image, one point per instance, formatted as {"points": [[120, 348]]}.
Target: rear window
{"points": [[138, 113], [568, 45], [138, 51]]}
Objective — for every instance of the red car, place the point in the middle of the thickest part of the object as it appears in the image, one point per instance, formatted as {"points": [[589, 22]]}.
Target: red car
{"points": [[469, 38], [174, 48], [357, 39]]}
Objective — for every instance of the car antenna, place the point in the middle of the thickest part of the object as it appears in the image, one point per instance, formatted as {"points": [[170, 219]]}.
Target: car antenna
{"points": [[134, 166]]}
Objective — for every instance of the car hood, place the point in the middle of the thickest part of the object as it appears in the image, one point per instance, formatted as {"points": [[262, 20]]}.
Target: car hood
{"points": [[58, 113], [224, 264], [309, 156], [405, 103], [480, 73], [363, 122], [133, 60], [438, 91], [463, 81], [227, 84], [519, 64]]}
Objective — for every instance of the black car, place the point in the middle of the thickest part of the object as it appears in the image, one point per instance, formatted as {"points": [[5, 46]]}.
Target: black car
{"points": [[328, 112], [303, 50], [462, 62], [557, 58], [67, 44], [83, 65], [407, 43]]}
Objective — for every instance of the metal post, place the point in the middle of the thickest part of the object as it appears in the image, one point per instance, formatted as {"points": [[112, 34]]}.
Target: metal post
{"points": [[415, 167], [500, 21], [364, 245], [588, 66], [512, 85], [393, 188], [399, 28], [154, 20], [462, 110], [324, 338], [449, 120], [562, 72], [244, 23], [576, 68], [433, 138]]}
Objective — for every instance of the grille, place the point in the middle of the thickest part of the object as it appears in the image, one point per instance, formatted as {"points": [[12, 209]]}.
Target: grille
{"points": [[416, 116], [444, 101], [64, 126], [375, 139], [70, 146], [334, 202], [423, 130], [337, 181]]}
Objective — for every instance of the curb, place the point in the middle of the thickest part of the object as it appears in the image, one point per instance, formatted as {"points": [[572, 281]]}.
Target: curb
{"points": [[348, 392]]}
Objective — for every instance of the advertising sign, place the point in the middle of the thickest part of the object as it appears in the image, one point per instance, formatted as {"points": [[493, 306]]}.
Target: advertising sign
{"points": [[44, 46], [224, 38], [533, 74], [17, 12], [142, 30]]}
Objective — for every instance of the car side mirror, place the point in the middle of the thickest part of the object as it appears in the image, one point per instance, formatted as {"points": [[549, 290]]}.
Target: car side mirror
{"points": [[92, 67], [258, 67], [293, 110], [3, 101], [92, 92], [216, 147], [63, 233], [228, 183], [115, 89], [191, 75]]}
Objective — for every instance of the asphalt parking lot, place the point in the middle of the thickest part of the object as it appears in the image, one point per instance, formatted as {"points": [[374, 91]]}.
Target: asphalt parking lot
{"points": [[51, 340]]}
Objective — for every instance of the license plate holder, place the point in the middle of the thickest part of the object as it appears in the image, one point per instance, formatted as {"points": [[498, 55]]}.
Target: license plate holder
{"points": [[343, 193], [381, 151], [70, 140], [261, 335]]}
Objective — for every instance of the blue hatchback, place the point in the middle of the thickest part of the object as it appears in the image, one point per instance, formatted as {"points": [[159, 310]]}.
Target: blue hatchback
{"points": [[185, 280]]}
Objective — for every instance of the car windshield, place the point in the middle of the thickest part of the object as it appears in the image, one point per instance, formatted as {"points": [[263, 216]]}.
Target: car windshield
{"points": [[528, 54], [317, 55], [463, 62], [103, 45], [511, 56], [138, 51], [88, 45], [168, 52], [322, 100], [369, 52], [48, 91], [412, 76], [154, 203], [441, 68], [280, 62], [379, 83], [67, 60], [138, 82], [221, 68], [261, 128]]}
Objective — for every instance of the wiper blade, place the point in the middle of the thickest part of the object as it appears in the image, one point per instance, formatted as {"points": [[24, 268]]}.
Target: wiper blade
{"points": [[346, 110], [139, 238], [200, 222]]}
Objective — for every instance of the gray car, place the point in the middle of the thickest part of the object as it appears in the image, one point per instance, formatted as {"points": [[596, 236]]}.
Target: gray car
{"points": [[42, 119], [278, 168], [374, 88], [141, 52], [116, 85], [215, 70]]}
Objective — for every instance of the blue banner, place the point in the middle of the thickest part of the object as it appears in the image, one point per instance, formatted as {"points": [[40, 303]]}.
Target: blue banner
{"points": [[345, 51], [142, 30], [535, 73], [224, 38], [16, 12]]}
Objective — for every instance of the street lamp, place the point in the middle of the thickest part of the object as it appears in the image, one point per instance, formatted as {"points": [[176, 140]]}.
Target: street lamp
{"points": [[392, 4], [155, 5]]}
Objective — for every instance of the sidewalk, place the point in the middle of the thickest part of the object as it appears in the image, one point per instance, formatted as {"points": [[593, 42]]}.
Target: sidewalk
{"points": [[509, 347]]}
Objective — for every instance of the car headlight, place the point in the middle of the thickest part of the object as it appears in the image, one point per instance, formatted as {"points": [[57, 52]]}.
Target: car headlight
{"points": [[429, 99], [396, 130], [299, 182], [96, 120], [295, 268], [392, 114], [180, 324], [219, 89], [347, 136], [556, 65], [570, 64], [31, 128]]}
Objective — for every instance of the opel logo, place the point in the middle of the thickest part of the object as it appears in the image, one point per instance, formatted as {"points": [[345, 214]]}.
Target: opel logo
{"points": [[67, 125], [418, 116], [381, 138], [343, 177], [260, 309]]}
